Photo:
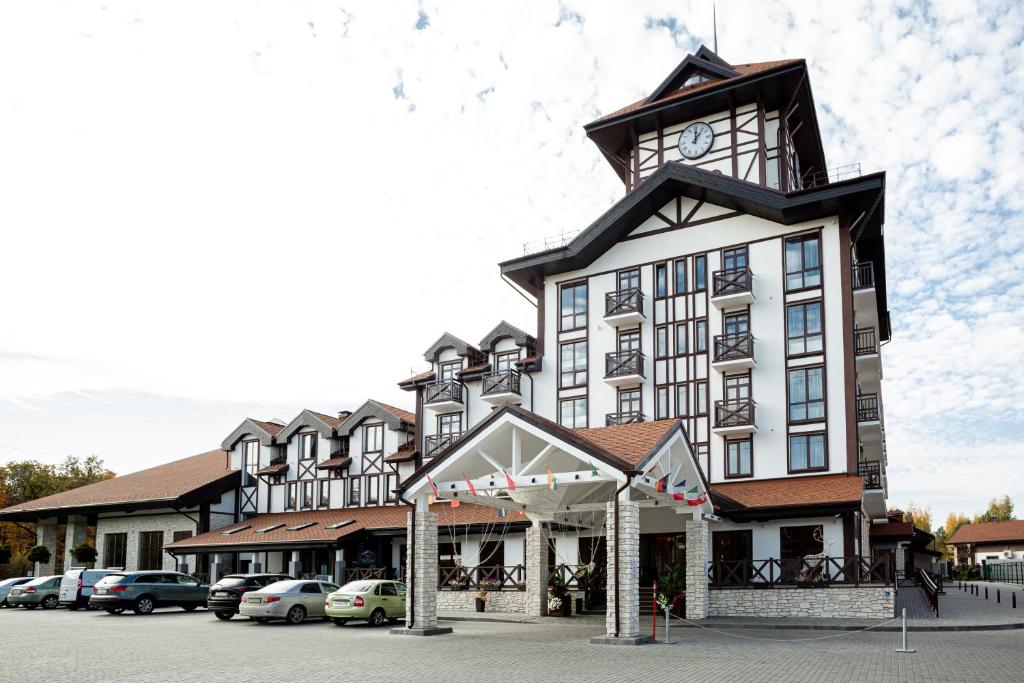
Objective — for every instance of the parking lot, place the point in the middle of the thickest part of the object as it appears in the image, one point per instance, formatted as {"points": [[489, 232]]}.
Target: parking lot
{"points": [[174, 645]]}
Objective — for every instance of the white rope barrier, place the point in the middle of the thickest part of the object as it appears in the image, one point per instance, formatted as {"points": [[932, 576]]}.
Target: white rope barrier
{"points": [[786, 640]]}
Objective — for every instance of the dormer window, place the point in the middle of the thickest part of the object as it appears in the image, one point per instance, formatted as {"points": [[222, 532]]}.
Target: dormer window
{"points": [[373, 438], [307, 446], [250, 460], [505, 361], [448, 371], [696, 78]]}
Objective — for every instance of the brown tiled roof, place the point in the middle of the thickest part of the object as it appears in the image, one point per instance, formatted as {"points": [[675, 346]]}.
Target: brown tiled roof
{"points": [[629, 442], [407, 451], [375, 518], [742, 69], [330, 420], [823, 489], [273, 468], [403, 415], [334, 462], [479, 367], [166, 482], [990, 532], [269, 427], [429, 374]]}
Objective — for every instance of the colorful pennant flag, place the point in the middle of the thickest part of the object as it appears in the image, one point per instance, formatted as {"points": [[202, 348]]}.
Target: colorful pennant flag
{"points": [[593, 470], [455, 503], [433, 486], [502, 512], [693, 498], [551, 479], [472, 489], [662, 485], [509, 480]]}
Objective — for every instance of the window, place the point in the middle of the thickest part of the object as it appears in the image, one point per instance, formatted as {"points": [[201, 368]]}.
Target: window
{"points": [[181, 535], [391, 481], [700, 270], [290, 500], [449, 555], [661, 404], [803, 328], [447, 371], [734, 259], [737, 387], [373, 438], [372, 490], [682, 400], [573, 364], [629, 401], [572, 413], [681, 339], [681, 276], [806, 394], [388, 589], [449, 424], [797, 542], [115, 550], [503, 362], [629, 279], [354, 493], [661, 341], [702, 398], [701, 336], [736, 324], [573, 306], [250, 460], [151, 544], [807, 452], [738, 460], [629, 341], [661, 280], [325, 494], [803, 262], [307, 446], [307, 495]]}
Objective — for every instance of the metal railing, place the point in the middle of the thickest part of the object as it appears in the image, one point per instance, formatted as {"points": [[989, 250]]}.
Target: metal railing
{"points": [[738, 413], [624, 363], [931, 590], [867, 408], [872, 473], [552, 242], [864, 275], [503, 382], [443, 391], [864, 341], [623, 418], [435, 443], [733, 346], [623, 301], [483, 577], [831, 175], [731, 281], [805, 572], [1006, 571]]}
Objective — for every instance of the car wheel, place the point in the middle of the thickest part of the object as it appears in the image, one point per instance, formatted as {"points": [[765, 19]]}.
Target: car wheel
{"points": [[113, 610], [377, 617], [144, 605], [339, 621], [296, 615], [50, 602], [224, 616]]}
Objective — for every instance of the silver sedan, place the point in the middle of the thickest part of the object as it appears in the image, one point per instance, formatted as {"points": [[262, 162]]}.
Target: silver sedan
{"points": [[293, 601]]}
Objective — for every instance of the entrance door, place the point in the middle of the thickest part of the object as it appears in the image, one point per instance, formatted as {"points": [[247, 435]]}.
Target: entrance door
{"points": [[594, 549], [731, 552]]}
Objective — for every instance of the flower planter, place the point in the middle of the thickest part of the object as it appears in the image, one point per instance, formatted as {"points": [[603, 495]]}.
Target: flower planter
{"points": [[480, 604]]}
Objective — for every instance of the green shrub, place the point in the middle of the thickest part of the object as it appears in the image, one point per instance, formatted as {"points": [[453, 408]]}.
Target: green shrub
{"points": [[40, 554], [84, 553]]}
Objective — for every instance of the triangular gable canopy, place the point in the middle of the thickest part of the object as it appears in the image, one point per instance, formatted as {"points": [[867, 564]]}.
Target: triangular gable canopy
{"points": [[705, 64], [449, 341], [264, 431], [504, 330], [325, 425], [395, 418]]}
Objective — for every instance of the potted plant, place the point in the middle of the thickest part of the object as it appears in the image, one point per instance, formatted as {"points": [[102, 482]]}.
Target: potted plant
{"points": [[481, 600], [457, 584], [490, 584], [84, 553], [673, 586], [39, 553], [555, 606]]}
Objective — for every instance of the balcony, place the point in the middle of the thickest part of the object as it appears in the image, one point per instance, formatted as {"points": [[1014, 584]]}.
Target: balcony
{"points": [[863, 276], [867, 408], [501, 387], [624, 307], [869, 365], [874, 488], [623, 418], [733, 352], [731, 288], [434, 444], [870, 433], [624, 367], [734, 417], [865, 304], [443, 395]]}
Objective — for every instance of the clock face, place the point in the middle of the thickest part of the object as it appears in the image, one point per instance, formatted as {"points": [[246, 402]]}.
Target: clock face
{"points": [[696, 140]]}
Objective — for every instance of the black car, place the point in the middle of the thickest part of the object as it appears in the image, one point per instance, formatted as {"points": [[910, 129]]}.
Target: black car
{"points": [[227, 592]]}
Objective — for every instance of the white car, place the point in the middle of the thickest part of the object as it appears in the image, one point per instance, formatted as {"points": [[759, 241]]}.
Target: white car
{"points": [[294, 601], [7, 584], [77, 583]]}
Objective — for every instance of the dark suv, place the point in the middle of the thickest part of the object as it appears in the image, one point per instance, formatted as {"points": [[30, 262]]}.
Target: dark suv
{"points": [[227, 592], [143, 592]]}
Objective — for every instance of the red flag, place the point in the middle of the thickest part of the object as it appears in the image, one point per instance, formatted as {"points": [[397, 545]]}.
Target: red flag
{"points": [[699, 500], [662, 485], [455, 502], [510, 481], [433, 487], [472, 489]]}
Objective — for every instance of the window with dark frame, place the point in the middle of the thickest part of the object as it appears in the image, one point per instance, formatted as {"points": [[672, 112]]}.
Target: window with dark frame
{"points": [[700, 336], [250, 461], [448, 370], [807, 452], [391, 482], [372, 489], [804, 328], [449, 424], [661, 341], [738, 458], [373, 438], [629, 401], [151, 544], [180, 536], [505, 361], [661, 404], [307, 495], [573, 299], [803, 262], [681, 339], [736, 324], [700, 276], [572, 413], [737, 387], [797, 542], [307, 446], [291, 500], [734, 259], [573, 364], [806, 394], [629, 279], [115, 550], [702, 398], [680, 276], [629, 341], [660, 280], [354, 493], [325, 493], [683, 399]]}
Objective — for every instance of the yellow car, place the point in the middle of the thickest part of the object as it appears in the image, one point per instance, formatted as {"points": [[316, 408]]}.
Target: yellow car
{"points": [[376, 600]]}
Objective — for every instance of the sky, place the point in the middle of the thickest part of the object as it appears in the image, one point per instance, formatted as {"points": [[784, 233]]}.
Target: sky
{"points": [[213, 210]]}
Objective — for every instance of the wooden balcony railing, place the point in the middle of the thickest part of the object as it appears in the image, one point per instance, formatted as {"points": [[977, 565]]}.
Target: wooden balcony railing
{"points": [[435, 443], [809, 572], [586, 577], [624, 363], [733, 347], [442, 392], [623, 418], [872, 473], [504, 382], [496, 577], [623, 301], [864, 275], [739, 413], [362, 573], [731, 281], [867, 408], [864, 340]]}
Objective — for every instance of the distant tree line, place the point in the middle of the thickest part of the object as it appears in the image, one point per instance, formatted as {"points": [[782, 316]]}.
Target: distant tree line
{"points": [[999, 509]]}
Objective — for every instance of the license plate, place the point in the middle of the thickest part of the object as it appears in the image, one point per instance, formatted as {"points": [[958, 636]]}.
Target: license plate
{"points": [[341, 603], [220, 594], [101, 590], [255, 600]]}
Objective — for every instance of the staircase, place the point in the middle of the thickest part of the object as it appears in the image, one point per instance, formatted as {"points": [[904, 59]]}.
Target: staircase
{"points": [[646, 600]]}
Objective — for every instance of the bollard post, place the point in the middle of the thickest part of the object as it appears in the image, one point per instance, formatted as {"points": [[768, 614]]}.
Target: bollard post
{"points": [[986, 592], [668, 619], [654, 615], [904, 648], [998, 599], [1014, 596]]}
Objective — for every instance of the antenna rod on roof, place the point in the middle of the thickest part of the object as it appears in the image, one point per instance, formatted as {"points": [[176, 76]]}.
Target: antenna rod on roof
{"points": [[714, 22]]}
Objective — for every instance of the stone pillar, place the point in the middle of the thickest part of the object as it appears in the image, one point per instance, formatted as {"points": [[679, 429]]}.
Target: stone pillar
{"points": [[865, 535], [421, 604], [901, 561], [46, 535], [627, 600], [339, 566], [698, 542], [537, 539], [75, 533], [215, 569]]}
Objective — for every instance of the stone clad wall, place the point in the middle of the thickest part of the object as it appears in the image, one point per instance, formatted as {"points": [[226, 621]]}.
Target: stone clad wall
{"points": [[497, 601], [864, 602]]}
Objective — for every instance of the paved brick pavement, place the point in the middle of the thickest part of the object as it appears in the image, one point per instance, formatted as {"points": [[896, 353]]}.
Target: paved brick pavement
{"points": [[174, 645]]}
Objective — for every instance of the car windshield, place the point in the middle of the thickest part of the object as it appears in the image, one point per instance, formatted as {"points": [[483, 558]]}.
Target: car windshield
{"points": [[282, 586], [111, 579], [230, 582], [357, 587]]}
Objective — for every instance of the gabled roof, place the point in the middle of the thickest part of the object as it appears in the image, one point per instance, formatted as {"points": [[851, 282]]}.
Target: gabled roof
{"points": [[449, 341], [504, 330], [395, 418], [705, 62], [990, 532], [264, 431], [178, 484], [325, 425]]}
